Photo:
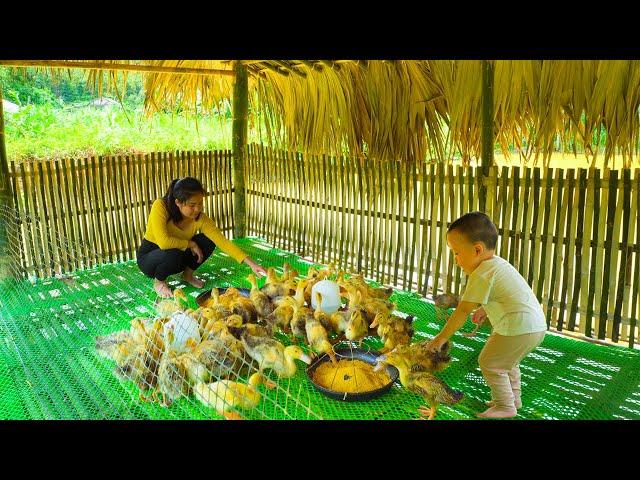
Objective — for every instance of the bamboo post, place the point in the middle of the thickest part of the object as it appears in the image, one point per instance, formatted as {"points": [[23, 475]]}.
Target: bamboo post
{"points": [[6, 199], [487, 127], [239, 135]]}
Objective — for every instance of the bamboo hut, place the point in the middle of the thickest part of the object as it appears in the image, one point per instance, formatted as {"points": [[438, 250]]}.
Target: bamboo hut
{"points": [[356, 169]]}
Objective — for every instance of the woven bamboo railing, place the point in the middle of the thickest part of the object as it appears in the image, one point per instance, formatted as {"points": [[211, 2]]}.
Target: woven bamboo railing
{"points": [[573, 234], [102, 204]]}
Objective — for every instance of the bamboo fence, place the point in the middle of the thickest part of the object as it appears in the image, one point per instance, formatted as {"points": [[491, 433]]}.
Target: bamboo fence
{"points": [[102, 205], [573, 234]]}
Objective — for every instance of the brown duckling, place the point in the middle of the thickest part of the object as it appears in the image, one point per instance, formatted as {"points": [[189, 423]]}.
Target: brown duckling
{"points": [[263, 304], [425, 384]]}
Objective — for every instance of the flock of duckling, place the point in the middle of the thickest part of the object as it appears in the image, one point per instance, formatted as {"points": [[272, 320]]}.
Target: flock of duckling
{"points": [[236, 335]]}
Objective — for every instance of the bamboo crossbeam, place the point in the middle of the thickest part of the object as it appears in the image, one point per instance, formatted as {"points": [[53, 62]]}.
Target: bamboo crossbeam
{"points": [[115, 66]]}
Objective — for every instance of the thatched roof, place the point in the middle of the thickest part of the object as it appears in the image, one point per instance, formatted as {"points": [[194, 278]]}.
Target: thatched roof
{"points": [[411, 108]]}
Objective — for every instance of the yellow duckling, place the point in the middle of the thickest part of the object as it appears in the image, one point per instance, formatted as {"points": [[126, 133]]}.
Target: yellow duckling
{"points": [[317, 335], [226, 395], [270, 353]]}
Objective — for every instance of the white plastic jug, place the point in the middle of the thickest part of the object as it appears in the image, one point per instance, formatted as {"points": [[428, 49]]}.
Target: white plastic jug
{"points": [[183, 327], [330, 293]]}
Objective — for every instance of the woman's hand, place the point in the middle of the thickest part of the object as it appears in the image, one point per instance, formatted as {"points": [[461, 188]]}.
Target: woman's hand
{"points": [[257, 269], [196, 250]]}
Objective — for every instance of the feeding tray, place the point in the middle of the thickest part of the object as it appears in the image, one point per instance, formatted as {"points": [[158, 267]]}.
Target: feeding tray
{"points": [[204, 296], [352, 354]]}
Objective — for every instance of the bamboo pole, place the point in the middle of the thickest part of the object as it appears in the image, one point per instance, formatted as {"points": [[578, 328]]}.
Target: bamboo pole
{"points": [[546, 237], [602, 248], [429, 238], [463, 197], [577, 226], [635, 293], [17, 184], [508, 195], [415, 229], [396, 239], [626, 254], [115, 66], [450, 217], [31, 231], [487, 127], [534, 228], [239, 134], [569, 254], [557, 272], [515, 195], [591, 270], [615, 292], [362, 234], [6, 199]]}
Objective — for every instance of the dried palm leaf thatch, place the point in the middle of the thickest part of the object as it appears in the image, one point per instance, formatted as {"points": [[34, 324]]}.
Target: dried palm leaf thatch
{"points": [[406, 110]]}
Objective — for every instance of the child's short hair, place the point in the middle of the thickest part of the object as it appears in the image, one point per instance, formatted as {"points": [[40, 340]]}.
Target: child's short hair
{"points": [[476, 227]]}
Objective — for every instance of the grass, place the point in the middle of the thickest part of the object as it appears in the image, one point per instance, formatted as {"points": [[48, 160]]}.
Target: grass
{"points": [[44, 132]]}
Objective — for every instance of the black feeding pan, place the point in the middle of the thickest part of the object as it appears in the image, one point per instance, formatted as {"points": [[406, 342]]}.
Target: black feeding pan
{"points": [[204, 296], [352, 354]]}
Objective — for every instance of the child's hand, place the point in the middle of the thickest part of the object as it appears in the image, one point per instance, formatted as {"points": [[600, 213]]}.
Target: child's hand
{"points": [[479, 316], [436, 344]]}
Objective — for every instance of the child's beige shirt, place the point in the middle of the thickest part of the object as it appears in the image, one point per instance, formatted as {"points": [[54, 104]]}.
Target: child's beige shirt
{"points": [[511, 306]]}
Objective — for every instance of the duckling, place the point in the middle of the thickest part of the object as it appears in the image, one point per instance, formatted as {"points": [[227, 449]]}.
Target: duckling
{"points": [[300, 316], [216, 306], [274, 286], [109, 345], [357, 327], [367, 291], [220, 357], [280, 318], [142, 362], [234, 320], [244, 307], [173, 376], [393, 330], [423, 359], [262, 303], [425, 384], [371, 306], [317, 336], [227, 395], [253, 328], [443, 302], [270, 353]]}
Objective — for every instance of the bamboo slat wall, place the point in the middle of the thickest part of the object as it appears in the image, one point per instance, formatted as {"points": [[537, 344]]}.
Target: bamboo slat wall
{"points": [[99, 205], [573, 234]]}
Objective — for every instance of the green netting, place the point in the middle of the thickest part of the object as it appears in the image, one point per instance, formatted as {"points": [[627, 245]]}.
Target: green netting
{"points": [[49, 368]]}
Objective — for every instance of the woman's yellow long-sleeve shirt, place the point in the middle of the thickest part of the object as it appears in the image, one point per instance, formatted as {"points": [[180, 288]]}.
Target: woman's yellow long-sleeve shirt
{"points": [[164, 233]]}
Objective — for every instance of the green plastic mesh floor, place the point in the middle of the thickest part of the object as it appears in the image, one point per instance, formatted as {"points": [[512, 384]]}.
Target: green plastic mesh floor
{"points": [[50, 370]]}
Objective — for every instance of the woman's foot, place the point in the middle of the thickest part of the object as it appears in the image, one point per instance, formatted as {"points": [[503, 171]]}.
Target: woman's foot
{"points": [[162, 288], [190, 279]]}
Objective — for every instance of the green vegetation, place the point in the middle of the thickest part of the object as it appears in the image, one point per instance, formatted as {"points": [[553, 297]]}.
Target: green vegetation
{"points": [[47, 132], [56, 120]]}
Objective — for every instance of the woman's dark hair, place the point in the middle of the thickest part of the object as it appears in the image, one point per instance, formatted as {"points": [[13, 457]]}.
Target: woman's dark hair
{"points": [[476, 227], [181, 189]]}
